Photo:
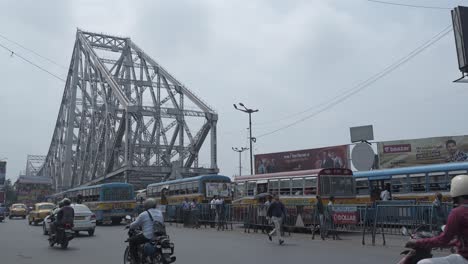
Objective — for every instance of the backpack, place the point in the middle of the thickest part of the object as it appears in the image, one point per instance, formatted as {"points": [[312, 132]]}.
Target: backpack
{"points": [[159, 229]]}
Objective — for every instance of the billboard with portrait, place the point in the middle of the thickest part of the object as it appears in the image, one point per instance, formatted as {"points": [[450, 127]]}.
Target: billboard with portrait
{"points": [[424, 151], [218, 189], [329, 157]]}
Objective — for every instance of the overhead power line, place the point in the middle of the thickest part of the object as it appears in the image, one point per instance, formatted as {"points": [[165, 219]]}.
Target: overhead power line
{"points": [[13, 53], [32, 51], [414, 6], [341, 97]]}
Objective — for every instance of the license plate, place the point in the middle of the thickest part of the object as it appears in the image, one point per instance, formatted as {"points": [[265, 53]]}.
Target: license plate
{"points": [[80, 217], [166, 251]]}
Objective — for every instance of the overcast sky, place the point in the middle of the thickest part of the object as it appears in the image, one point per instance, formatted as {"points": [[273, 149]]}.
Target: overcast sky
{"points": [[281, 57]]}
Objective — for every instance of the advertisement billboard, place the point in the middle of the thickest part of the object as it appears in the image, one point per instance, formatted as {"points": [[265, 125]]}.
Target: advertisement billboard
{"points": [[345, 215], [2, 172], [329, 157], [405, 153], [218, 189]]}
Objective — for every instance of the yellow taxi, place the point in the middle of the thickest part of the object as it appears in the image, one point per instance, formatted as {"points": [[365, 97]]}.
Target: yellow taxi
{"points": [[39, 212], [18, 210]]}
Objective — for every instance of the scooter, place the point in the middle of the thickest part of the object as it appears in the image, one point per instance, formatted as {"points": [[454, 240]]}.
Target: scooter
{"points": [[412, 256]]}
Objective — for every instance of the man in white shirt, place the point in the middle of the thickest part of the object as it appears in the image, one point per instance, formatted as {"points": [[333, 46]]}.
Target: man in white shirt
{"points": [[145, 221], [386, 195]]}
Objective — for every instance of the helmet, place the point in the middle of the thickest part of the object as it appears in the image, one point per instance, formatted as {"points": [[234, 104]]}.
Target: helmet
{"points": [[60, 204], [66, 202], [149, 203], [459, 186]]}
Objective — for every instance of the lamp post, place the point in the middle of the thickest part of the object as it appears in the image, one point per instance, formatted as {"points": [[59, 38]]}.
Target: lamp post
{"points": [[240, 150], [251, 139]]}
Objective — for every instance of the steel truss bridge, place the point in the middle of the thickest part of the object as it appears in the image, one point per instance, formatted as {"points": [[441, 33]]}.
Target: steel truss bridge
{"points": [[123, 117]]}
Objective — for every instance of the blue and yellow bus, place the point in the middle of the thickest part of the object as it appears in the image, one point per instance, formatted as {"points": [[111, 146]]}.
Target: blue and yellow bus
{"points": [[410, 183], [200, 188], [110, 202]]}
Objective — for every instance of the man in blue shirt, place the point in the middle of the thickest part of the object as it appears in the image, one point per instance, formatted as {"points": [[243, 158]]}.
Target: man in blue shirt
{"points": [[145, 221]]}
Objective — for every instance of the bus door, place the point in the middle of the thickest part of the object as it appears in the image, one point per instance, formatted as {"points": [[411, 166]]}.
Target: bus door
{"points": [[377, 185]]}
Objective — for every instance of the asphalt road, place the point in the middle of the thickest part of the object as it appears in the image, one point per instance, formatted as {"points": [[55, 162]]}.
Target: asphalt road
{"points": [[23, 244]]}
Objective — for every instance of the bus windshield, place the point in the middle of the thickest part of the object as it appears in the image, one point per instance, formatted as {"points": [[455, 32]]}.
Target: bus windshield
{"points": [[116, 194]]}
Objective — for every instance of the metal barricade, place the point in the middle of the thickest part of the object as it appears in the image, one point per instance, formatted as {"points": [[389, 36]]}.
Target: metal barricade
{"points": [[389, 218]]}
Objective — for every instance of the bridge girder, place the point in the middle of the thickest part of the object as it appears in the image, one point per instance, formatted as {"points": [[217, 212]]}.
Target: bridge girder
{"points": [[124, 117]]}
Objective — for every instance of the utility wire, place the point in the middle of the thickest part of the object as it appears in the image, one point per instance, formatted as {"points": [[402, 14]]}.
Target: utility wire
{"points": [[358, 85], [32, 51], [30, 62], [414, 6], [338, 99]]}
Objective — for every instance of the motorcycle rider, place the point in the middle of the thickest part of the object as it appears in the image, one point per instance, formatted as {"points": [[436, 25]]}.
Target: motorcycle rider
{"points": [[145, 221], [65, 215], [456, 228]]}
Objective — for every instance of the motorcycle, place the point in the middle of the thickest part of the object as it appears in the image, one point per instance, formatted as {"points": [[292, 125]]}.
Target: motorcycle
{"points": [[62, 236], [160, 250], [412, 256]]}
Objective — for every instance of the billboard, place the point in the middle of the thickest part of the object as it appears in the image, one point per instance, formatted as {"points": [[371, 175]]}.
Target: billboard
{"points": [[345, 215], [405, 153], [329, 157], [2, 172], [218, 189]]}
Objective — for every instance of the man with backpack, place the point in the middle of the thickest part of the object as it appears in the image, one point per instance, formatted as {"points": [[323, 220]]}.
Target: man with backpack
{"points": [[146, 221]]}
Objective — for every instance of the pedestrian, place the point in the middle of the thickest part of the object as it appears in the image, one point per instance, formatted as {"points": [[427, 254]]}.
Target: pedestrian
{"points": [[261, 215], [329, 218], [219, 203], [267, 205], [321, 215], [213, 211], [186, 211], [194, 213], [276, 211], [386, 194], [438, 210]]}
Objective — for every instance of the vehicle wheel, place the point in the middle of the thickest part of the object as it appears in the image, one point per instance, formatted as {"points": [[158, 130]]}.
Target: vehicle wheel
{"points": [[24, 217], [44, 230], [51, 242], [64, 245], [77, 233], [127, 259], [116, 221], [10, 217], [91, 232], [29, 222]]}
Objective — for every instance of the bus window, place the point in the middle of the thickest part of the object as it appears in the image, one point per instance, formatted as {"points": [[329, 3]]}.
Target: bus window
{"points": [[437, 181], [240, 190], [262, 186], [297, 186], [418, 182], [273, 186], [310, 186], [336, 186], [195, 188], [251, 188], [399, 184], [285, 187], [362, 186], [183, 188]]}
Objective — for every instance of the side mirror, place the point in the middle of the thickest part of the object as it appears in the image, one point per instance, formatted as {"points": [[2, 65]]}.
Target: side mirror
{"points": [[404, 231], [442, 228]]}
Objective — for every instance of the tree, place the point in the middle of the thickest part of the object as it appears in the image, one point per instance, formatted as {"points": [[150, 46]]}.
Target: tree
{"points": [[10, 192]]}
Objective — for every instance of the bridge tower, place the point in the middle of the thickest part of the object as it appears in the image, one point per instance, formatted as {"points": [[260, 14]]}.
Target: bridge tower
{"points": [[123, 117]]}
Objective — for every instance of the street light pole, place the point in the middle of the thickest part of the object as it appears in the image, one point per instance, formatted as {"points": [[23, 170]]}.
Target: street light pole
{"points": [[240, 150], [251, 139]]}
